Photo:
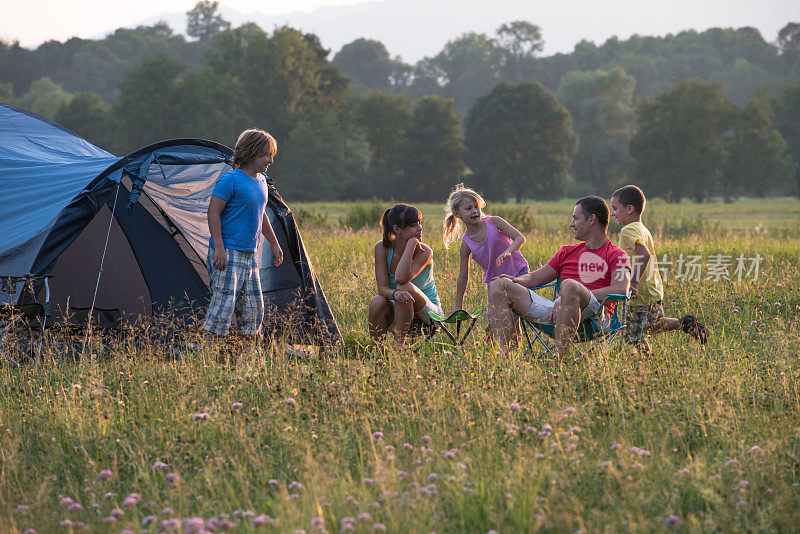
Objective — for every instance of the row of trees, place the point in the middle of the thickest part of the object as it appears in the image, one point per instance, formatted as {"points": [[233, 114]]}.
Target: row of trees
{"points": [[337, 139], [691, 141], [466, 68]]}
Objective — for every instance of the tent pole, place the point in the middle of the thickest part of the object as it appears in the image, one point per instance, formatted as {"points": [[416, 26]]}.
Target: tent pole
{"points": [[100, 272]]}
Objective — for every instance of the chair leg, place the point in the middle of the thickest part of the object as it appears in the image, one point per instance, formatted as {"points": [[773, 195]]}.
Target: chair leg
{"points": [[527, 336], [464, 337], [446, 331], [548, 349]]}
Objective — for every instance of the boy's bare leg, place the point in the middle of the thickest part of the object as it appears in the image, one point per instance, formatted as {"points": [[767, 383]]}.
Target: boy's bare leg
{"points": [[574, 297], [665, 324], [506, 298]]}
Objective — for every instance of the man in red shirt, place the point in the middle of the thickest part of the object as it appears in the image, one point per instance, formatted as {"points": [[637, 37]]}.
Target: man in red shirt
{"points": [[589, 271]]}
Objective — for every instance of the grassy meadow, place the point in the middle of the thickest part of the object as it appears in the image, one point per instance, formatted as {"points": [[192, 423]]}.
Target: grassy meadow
{"points": [[690, 439]]}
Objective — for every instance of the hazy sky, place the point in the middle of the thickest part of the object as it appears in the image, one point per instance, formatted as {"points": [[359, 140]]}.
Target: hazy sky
{"points": [[35, 21], [410, 28]]}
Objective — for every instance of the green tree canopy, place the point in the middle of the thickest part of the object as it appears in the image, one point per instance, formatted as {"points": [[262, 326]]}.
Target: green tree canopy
{"points": [[433, 159], [209, 103], [466, 68], [519, 42], [787, 121], [755, 162], [286, 77], [366, 62], [789, 38], [89, 116], [203, 22], [600, 103], [45, 97], [6, 92], [519, 140], [149, 107], [678, 143], [387, 122], [318, 162], [741, 79]]}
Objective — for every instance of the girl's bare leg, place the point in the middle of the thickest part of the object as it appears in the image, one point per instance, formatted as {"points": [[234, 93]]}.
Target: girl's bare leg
{"points": [[381, 315], [506, 298], [404, 313]]}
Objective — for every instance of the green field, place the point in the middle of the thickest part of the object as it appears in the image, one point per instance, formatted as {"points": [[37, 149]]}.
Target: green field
{"points": [[436, 439]]}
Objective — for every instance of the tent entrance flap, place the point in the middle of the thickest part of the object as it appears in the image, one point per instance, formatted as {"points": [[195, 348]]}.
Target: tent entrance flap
{"points": [[122, 285]]}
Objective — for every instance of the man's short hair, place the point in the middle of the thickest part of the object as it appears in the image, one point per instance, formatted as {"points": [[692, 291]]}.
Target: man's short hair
{"points": [[594, 205], [631, 195]]}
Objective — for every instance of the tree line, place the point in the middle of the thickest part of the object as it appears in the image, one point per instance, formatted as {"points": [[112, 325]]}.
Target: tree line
{"points": [[486, 109]]}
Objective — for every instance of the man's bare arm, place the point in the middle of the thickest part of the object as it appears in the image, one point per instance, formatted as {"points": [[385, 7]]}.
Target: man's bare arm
{"points": [[541, 276]]}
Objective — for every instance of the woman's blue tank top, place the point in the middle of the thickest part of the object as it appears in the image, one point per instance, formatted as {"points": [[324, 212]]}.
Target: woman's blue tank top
{"points": [[424, 280]]}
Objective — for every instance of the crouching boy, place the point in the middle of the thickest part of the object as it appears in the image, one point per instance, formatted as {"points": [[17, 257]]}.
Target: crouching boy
{"points": [[645, 312]]}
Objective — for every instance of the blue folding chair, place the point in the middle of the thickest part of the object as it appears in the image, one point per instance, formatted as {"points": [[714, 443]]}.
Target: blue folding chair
{"points": [[601, 332]]}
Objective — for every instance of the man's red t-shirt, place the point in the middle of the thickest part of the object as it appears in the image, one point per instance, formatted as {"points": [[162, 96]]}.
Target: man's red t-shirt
{"points": [[594, 268]]}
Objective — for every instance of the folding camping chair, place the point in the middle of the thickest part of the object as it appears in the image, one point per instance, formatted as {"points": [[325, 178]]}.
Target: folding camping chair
{"points": [[601, 332], [28, 317], [455, 318]]}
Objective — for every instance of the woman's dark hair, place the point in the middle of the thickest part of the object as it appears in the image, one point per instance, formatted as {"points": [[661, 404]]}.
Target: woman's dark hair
{"points": [[594, 205], [400, 215]]}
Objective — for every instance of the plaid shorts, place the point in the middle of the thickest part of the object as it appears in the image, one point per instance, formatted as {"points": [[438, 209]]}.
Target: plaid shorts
{"points": [[237, 290], [640, 320]]}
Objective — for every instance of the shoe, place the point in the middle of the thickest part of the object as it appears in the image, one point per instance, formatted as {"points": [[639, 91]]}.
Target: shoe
{"points": [[694, 328]]}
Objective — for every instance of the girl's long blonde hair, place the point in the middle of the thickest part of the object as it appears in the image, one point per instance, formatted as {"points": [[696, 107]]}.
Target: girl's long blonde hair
{"points": [[458, 194]]}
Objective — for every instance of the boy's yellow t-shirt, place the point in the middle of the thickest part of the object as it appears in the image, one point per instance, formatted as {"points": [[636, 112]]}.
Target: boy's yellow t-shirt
{"points": [[651, 288]]}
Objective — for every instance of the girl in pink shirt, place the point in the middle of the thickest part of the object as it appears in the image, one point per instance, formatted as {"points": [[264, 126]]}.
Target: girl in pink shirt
{"points": [[492, 242]]}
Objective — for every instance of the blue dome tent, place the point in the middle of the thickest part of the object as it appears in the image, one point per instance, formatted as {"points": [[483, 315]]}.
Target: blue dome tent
{"points": [[68, 207]]}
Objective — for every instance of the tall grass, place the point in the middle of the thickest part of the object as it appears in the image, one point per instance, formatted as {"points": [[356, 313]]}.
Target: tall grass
{"points": [[432, 439]]}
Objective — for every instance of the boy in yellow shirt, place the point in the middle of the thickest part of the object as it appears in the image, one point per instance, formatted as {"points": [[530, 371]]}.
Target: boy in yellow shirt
{"points": [[645, 312]]}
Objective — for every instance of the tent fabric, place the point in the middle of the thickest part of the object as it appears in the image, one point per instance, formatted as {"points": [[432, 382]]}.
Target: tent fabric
{"points": [[57, 195], [38, 153]]}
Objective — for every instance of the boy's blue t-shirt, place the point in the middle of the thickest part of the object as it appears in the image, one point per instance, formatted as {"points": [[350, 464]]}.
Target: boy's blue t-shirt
{"points": [[241, 218]]}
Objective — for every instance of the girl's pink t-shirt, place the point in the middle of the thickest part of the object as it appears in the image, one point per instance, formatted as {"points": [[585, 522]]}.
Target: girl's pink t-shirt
{"points": [[487, 252]]}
